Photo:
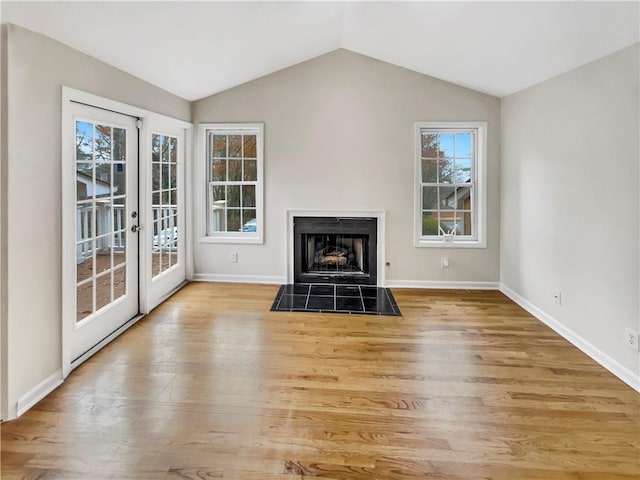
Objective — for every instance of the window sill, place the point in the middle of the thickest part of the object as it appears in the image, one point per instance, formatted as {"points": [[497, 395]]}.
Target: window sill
{"points": [[421, 243], [232, 239]]}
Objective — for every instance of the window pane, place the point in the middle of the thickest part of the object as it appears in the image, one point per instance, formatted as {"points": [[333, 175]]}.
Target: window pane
{"points": [[173, 171], [250, 170], [429, 223], [166, 177], [175, 239], [463, 200], [447, 222], [219, 146], [103, 143], [103, 180], [233, 220], [233, 196], [445, 170], [218, 193], [84, 300], [119, 144], [463, 170], [155, 147], [119, 179], [249, 220], [429, 198], [84, 141], [248, 196], [165, 149], [218, 217], [445, 142], [119, 220], [155, 177], [84, 255], [173, 149], [429, 171], [219, 170], [466, 217], [250, 150], [429, 145], [463, 145], [235, 170], [119, 283], [84, 181], [447, 197], [85, 221], [119, 240], [235, 146], [103, 290]]}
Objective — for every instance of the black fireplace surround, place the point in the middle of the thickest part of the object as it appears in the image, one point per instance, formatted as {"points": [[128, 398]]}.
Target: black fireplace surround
{"points": [[336, 250]]}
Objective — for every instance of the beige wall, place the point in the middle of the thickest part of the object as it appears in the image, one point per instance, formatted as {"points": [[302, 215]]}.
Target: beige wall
{"points": [[339, 134], [570, 209], [37, 69]]}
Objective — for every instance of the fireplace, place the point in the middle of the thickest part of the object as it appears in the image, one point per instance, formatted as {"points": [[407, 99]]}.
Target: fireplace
{"points": [[339, 250]]}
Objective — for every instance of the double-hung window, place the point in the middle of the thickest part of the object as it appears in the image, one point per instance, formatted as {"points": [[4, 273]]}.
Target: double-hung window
{"points": [[234, 182], [450, 184]]}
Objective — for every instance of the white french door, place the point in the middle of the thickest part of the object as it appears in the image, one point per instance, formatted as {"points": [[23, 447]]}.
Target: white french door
{"points": [[165, 218], [123, 218], [106, 290]]}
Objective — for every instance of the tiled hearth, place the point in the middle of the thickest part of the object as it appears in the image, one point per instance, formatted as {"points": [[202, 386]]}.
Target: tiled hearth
{"points": [[329, 298]]}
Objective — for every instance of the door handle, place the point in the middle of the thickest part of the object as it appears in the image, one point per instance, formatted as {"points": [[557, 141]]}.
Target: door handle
{"points": [[136, 228]]}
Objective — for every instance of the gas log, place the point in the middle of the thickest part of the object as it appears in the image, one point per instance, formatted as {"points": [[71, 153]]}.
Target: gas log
{"points": [[333, 256]]}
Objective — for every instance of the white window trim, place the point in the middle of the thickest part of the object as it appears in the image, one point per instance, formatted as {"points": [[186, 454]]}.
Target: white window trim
{"points": [[203, 187], [480, 240]]}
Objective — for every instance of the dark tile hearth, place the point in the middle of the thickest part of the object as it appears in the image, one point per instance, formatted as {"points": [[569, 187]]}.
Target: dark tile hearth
{"points": [[328, 298]]}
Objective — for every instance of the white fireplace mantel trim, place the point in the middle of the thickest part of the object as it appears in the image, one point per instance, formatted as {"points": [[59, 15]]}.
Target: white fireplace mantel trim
{"points": [[379, 214]]}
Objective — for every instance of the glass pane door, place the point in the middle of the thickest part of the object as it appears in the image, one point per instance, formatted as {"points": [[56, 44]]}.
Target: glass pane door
{"points": [[166, 268], [106, 224], [164, 192]]}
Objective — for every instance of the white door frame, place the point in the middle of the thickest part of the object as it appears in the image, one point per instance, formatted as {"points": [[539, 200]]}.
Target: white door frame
{"points": [[149, 120]]}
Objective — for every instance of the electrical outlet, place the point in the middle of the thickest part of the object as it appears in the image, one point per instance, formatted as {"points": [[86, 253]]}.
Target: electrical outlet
{"points": [[631, 338], [557, 296], [444, 262], [234, 257]]}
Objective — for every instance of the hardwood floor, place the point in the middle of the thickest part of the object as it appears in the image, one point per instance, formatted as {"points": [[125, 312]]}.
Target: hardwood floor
{"points": [[213, 385]]}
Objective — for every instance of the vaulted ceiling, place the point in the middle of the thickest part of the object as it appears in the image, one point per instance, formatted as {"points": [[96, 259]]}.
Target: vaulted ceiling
{"points": [[196, 49]]}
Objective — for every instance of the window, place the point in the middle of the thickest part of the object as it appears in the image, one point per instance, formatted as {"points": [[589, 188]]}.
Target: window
{"points": [[450, 184], [234, 182]]}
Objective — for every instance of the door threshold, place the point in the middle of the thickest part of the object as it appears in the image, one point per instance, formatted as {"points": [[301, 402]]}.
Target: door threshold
{"points": [[105, 341]]}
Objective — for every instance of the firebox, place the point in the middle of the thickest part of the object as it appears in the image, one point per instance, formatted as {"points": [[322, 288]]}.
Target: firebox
{"points": [[335, 250]]}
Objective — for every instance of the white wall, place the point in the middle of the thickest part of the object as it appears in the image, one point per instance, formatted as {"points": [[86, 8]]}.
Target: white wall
{"points": [[37, 69], [339, 134], [3, 220], [569, 202]]}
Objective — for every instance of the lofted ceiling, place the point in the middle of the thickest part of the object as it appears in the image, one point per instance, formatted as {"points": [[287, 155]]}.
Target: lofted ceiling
{"points": [[196, 49]]}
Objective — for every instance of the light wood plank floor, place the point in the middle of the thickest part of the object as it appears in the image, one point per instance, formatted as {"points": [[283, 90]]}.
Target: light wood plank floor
{"points": [[212, 385]]}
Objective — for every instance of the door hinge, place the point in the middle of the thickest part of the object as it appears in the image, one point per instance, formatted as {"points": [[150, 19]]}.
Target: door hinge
{"points": [[139, 123]]}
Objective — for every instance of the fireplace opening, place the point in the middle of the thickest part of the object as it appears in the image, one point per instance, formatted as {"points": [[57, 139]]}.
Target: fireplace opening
{"points": [[335, 250], [336, 254]]}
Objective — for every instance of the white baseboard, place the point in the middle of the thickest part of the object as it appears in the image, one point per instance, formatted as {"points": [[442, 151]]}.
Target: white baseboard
{"points": [[218, 277], [615, 367], [450, 285], [37, 393]]}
